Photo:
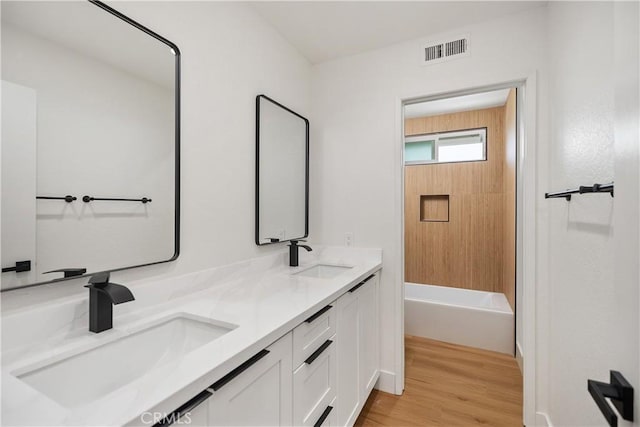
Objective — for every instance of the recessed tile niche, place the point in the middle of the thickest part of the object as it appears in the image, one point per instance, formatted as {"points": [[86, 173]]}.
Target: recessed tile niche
{"points": [[434, 208]]}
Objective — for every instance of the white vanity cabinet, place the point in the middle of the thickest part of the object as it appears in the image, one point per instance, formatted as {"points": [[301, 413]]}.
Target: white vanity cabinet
{"points": [[357, 332], [318, 374]]}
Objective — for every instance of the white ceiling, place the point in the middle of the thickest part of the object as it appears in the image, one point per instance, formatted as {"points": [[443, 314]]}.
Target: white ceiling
{"points": [[324, 30], [476, 101]]}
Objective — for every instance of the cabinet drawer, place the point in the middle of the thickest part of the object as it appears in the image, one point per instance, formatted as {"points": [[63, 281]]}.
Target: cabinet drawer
{"points": [[310, 334], [314, 385]]}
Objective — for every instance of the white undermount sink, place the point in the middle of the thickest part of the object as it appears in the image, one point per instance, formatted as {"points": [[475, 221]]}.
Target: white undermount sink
{"points": [[87, 376], [324, 271]]}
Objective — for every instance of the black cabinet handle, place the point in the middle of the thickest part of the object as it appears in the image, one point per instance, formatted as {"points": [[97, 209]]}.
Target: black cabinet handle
{"points": [[184, 409], [368, 278], [319, 313], [323, 417], [237, 371], [356, 287], [318, 352], [619, 391], [21, 266]]}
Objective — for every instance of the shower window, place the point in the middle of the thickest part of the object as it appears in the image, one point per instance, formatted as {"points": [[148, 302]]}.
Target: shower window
{"points": [[420, 150], [446, 147]]}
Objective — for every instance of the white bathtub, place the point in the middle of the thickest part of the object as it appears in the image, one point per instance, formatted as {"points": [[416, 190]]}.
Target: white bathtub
{"points": [[460, 316]]}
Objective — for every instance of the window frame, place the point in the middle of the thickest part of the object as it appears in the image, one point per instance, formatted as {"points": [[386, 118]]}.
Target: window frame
{"points": [[436, 145]]}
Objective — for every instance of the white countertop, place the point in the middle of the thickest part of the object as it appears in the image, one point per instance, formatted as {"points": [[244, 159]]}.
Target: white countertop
{"points": [[262, 296]]}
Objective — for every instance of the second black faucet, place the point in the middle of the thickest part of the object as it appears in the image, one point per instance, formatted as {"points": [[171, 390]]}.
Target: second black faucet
{"points": [[293, 251]]}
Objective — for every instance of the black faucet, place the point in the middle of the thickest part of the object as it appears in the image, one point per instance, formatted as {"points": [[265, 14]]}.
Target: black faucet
{"points": [[293, 251], [102, 296]]}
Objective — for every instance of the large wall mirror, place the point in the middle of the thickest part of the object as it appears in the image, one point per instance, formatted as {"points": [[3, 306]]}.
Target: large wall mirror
{"points": [[90, 142], [282, 173]]}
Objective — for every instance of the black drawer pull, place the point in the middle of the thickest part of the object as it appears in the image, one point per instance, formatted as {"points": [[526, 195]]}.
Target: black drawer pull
{"points": [[319, 313], [318, 352], [368, 278], [323, 417], [237, 371], [356, 287], [184, 409]]}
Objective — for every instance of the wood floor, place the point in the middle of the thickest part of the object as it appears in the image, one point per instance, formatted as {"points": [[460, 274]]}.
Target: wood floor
{"points": [[450, 385]]}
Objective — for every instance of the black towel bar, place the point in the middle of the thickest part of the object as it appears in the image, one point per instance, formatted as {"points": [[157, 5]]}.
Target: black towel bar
{"points": [[583, 189], [88, 199], [66, 198]]}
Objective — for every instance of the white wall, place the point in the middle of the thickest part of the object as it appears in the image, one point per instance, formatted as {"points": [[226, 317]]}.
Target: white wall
{"points": [[229, 55], [593, 306], [355, 155]]}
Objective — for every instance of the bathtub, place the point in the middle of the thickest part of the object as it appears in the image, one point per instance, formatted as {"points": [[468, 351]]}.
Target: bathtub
{"points": [[460, 316]]}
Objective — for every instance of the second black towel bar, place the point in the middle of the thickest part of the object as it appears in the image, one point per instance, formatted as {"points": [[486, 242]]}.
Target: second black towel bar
{"points": [[583, 189], [88, 199]]}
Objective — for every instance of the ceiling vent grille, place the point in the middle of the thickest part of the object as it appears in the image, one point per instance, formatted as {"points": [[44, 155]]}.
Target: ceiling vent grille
{"points": [[441, 51], [433, 52]]}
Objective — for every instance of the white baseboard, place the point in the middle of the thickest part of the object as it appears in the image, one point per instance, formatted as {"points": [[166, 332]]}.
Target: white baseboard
{"points": [[542, 419], [519, 357], [387, 382]]}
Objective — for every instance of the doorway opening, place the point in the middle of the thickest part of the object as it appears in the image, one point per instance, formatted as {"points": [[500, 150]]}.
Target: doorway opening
{"points": [[460, 234]]}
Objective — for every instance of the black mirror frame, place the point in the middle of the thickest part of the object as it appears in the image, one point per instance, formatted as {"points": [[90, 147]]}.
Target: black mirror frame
{"points": [[176, 52], [257, 183]]}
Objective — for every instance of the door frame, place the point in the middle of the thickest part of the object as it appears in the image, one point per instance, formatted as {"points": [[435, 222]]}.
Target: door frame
{"points": [[526, 190]]}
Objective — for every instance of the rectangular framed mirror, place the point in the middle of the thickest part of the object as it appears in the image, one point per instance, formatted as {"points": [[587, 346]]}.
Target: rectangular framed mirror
{"points": [[282, 173], [90, 142]]}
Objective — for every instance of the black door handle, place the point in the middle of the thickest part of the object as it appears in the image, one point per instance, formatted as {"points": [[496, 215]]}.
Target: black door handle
{"points": [[619, 391], [20, 267]]}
